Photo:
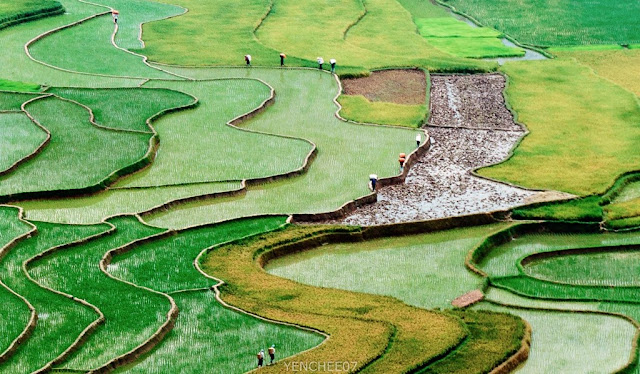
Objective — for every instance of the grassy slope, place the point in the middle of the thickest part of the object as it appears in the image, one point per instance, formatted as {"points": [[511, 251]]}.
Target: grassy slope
{"points": [[17, 11], [132, 314], [124, 109], [620, 66], [559, 23], [60, 320], [559, 100], [91, 160], [347, 316], [8, 85], [204, 326], [348, 153], [385, 37], [12, 101], [603, 269], [359, 109], [14, 311], [422, 270], [18, 138], [202, 134]]}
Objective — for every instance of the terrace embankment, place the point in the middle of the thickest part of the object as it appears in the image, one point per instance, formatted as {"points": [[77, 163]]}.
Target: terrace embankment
{"points": [[470, 127]]}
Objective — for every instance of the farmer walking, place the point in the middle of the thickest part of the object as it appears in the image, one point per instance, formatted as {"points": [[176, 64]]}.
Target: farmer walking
{"points": [[247, 59], [333, 65], [114, 14], [320, 62], [282, 57], [418, 140], [261, 358], [373, 179], [272, 354], [401, 160]]}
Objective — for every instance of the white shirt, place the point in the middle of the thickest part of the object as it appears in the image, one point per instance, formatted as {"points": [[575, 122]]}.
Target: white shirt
{"points": [[320, 60], [248, 57], [332, 61], [373, 176], [418, 138]]}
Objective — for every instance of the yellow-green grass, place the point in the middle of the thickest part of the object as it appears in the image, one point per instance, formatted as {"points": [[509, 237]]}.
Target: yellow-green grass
{"points": [[132, 314], [492, 338], [425, 270], [539, 22], [17, 66], [93, 208], [461, 39], [359, 109], [79, 155], [7, 85], [424, 9], [19, 11], [584, 129], [566, 342], [583, 209], [220, 33], [166, 264], [360, 325], [621, 66], [87, 48], [60, 320], [348, 153], [14, 310], [198, 146], [626, 209], [19, 137], [125, 109], [209, 338], [610, 268]]}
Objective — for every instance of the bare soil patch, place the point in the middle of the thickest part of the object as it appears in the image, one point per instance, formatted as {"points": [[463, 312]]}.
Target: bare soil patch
{"points": [[470, 101], [441, 184], [403, 86], [467, 299]]}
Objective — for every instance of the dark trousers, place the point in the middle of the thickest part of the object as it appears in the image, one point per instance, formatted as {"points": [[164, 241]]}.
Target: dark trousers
{"points": [[272, 356], [260, 362], [320, 67], [281, 61]]}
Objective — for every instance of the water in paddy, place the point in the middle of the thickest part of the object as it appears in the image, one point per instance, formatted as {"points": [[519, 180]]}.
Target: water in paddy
{"points": [[425, 270]]}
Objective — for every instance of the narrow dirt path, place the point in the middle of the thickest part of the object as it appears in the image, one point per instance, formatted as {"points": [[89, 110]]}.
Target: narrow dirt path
{"points": [[470, 127]]}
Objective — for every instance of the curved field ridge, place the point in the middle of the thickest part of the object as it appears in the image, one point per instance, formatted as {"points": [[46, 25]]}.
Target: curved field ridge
{"points": [[56, 172], [15, 328], [20, 139], [238, 258], [499, 257]]}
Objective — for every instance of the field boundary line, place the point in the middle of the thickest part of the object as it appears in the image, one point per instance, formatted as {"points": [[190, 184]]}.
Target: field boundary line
{"points": [[361, 16], [33, 315], [39, 148], [93, 325], [114, 176]]}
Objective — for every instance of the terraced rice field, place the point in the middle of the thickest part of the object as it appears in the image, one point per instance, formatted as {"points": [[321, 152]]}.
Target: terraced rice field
{"points": [[154, 186]]}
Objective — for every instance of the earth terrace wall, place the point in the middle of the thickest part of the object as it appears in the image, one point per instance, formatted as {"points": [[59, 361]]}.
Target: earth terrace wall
{"points": [[520, 356], [40, 147], [146, 160], [53, 10], [84, 335], [33, 317]]}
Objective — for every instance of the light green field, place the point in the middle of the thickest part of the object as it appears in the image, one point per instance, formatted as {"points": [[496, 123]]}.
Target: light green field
{"points": [[91, 161], [191, 346], [132, 314], [358, 108], [12, 101], [18, 138], [386, 36], [195, 145], [125, 109], [614, 269], [60, 320], [559, 23], [423, 270], [93, 208], [573, 343], [559, 100], [14, 12]]}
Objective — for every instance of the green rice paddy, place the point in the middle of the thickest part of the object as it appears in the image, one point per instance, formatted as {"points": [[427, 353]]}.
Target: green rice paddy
{"points": [[19, 137]]}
